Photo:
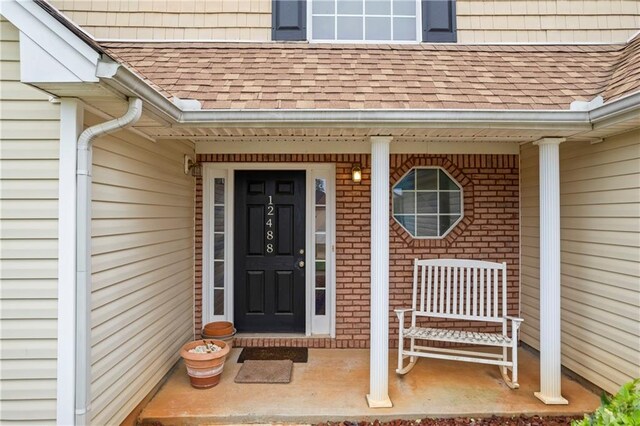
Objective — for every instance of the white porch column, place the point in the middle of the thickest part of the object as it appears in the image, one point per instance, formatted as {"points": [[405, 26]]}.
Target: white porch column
{"points": [[379, 366], [550, 361]]}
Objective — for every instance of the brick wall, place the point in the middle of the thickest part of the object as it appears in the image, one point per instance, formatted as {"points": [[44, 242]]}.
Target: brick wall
{"points": [[489, 231]]}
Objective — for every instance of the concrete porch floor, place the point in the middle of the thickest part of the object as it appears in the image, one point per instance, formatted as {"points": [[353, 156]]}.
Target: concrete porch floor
{"points": [[333, 384]]}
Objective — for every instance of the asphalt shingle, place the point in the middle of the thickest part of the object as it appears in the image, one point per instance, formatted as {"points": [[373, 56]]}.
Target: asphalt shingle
{"points": [[319, 76]]}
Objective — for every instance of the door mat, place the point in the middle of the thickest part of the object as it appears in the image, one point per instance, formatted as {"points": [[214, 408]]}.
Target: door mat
{"points": [[257, 371], [274, 354]]}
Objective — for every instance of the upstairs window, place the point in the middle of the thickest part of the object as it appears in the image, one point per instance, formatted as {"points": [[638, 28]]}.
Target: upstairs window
{"points": [[364, 20], [382, 21]]}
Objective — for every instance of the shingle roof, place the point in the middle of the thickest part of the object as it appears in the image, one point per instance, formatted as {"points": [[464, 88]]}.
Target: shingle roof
{"points": [[625, 78], [316, 76]]}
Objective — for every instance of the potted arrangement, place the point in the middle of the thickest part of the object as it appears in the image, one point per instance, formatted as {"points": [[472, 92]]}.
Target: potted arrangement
{"points": [[219, 330], [204, 360]]}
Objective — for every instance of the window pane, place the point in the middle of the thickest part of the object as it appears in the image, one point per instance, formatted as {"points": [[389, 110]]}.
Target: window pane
{"points": [[446, 182], [218, 219], [427, 226], [218, 197], [320, 302], [377, 7], [404, 7], [323, 6], [404, 29], [321, 246], [323, 28], [349, 7], [218, 302], [409, 222], [218, 246], [404, 202], [446, 221], [427, 179], [321, 278], [321, 191], [378, 28], [427, 202], [349, 28], [218, 274], [407, 182], [450, 202], [321, 219]]}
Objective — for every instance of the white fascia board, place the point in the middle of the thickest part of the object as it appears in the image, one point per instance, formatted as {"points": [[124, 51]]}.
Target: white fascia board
{"points": [[393, 118], [49, 52]]}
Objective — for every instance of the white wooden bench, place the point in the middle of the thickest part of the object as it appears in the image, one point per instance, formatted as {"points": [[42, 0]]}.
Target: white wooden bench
{"points": [[465, 290]]}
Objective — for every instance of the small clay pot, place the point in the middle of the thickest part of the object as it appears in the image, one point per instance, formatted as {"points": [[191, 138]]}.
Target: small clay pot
{"points": [[218, 329], [204, 369]]}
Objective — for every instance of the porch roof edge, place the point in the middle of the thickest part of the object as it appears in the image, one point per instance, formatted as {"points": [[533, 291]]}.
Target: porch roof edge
{"points": [[128, 82]]}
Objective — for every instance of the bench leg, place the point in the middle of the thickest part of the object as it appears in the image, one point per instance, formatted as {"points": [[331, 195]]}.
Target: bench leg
{"points": [[513, 381], [400, 350], [412, 359]]}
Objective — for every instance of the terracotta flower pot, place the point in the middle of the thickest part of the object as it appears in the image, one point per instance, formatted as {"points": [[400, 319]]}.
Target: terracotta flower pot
{"points": [[218, 329], [221, 330], [204, 369]]}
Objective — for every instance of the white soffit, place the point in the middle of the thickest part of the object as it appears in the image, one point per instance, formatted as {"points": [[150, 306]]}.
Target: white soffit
{"points": [[49, 52]]}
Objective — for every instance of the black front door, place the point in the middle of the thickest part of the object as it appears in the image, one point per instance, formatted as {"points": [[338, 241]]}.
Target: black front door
{"points": [[269, 274]]}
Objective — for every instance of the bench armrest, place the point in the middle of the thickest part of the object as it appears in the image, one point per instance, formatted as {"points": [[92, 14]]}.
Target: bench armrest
{"points": [[514, 319], [400, 313]]}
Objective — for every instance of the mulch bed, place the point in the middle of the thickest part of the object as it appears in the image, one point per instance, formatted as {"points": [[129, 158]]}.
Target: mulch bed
{"points": [[466, 421]]}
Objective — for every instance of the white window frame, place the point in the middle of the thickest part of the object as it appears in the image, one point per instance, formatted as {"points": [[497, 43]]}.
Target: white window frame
{"points": [[438, 214], [324, 325], [418, 39]]}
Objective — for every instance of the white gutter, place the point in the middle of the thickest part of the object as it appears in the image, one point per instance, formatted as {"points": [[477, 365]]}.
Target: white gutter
{"points": [[616, 109], [83, 254], [129, 83]]}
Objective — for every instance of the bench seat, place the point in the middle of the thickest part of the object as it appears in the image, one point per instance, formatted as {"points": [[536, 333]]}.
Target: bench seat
{"points": [[457, 336]]}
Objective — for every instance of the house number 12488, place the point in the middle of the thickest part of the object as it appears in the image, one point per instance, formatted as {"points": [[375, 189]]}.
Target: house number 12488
{"points": [[270, 210]]}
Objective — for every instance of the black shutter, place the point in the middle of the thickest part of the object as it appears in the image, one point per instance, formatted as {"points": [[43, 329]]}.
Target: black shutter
{"points": [[289, 20], [439, 21]]}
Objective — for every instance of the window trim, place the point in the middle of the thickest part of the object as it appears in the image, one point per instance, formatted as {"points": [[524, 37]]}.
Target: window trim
{"points": [[418, 39], [452, 227]]}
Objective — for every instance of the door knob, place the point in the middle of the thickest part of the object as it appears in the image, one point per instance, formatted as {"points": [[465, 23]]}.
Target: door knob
{"points": [[301, 263]]}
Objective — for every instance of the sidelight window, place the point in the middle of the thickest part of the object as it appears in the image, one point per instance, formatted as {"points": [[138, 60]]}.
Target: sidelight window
{"points": [[320, 240], [218, 245]]}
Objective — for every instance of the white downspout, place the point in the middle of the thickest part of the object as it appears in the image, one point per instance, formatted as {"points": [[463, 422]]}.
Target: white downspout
{"points": [[83, 254]]}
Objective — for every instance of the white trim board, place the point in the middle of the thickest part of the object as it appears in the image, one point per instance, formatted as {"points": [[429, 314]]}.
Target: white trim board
{"points": [[71, 125], [48, 50], [253, 146], [315, 325]]}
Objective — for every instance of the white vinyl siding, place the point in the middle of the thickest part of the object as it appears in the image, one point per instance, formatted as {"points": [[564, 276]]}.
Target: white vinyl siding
{"points": [[600, 231], [29, 134], [143, 268]]}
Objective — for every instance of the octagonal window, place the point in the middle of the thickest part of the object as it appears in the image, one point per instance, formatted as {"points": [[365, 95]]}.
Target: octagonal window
{"points": [[427, 202]]}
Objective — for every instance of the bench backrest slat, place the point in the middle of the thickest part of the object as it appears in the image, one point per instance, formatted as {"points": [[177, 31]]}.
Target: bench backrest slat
{"points": [[459, 288]]}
